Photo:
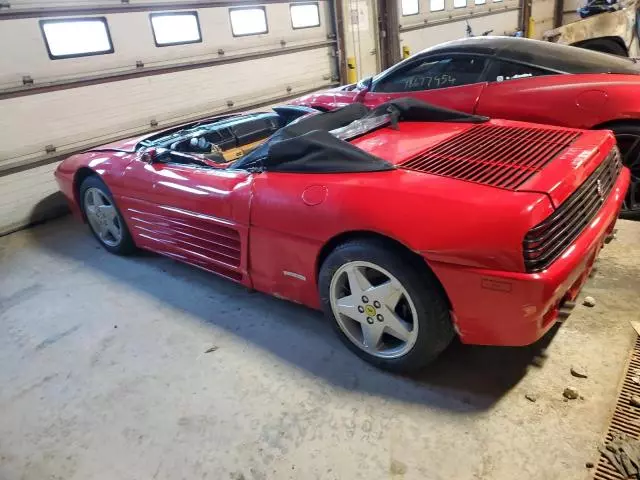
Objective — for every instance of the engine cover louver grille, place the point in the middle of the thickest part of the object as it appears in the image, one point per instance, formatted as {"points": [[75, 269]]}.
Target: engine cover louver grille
{"points": [[546, 241], [494, 155]]}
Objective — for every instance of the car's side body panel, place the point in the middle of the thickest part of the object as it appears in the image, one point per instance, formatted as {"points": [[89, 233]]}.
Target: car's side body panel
{"points": [[568, 87], [577, 101], [196, 215], [293, 216], [109, 165]]}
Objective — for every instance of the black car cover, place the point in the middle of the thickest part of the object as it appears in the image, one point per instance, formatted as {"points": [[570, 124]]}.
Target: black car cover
{"points": [[306, 146], [320, 152], [411, 110]]}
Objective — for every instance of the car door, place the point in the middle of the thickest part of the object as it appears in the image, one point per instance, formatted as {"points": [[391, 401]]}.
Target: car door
{"points": [[450, 80], [517, 91], [198, 215]]}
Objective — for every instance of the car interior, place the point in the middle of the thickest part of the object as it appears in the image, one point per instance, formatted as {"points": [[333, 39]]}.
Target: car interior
{"points": [[223, 140]]}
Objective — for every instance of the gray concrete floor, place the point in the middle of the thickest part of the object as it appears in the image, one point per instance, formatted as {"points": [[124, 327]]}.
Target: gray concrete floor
{"points": [[104, 375]]}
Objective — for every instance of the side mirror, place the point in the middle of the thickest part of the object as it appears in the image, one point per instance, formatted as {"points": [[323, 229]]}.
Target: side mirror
{"points": [[364, 87], [149, 155], [153, 155], [365, 83]]}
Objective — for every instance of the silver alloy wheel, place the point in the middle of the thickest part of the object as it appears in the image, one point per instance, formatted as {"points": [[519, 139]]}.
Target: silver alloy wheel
{"points": [[103, 217], [373, 309]]}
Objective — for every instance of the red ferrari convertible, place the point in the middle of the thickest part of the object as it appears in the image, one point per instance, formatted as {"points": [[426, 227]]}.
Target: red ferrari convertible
{"points": [[407, 224], [516, 79]]}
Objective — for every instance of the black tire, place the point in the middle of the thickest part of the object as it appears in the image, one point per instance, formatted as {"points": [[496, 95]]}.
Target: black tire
{"points": [[126, 245], [628, 138], [605, 45], [435, 329]]}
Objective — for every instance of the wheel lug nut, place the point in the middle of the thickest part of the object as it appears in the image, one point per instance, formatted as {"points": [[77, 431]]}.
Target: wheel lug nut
{"points": [[370, 320], [360, 308], [380, 318], [365, 299], [376, 304]]}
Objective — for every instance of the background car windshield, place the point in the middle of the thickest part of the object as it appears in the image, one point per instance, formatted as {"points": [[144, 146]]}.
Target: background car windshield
{"points": [[451, 71]]}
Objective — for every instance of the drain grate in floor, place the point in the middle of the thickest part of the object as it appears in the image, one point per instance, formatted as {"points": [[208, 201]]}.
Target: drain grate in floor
{"points": [[626, 419]]}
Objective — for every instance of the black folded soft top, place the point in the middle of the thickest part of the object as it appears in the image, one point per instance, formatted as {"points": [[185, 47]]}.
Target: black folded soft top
{"points": [[307, 146]]}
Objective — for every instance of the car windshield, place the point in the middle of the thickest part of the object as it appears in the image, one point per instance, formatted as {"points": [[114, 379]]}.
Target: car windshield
{"points": [[184, 130]]}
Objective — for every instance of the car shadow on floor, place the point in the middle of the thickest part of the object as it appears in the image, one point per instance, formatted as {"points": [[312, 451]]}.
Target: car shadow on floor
{"points": [[464, 379]]}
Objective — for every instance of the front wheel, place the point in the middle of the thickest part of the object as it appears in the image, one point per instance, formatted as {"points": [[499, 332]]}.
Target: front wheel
{"points": [[386, 309], [628, 138], [105, 221]]}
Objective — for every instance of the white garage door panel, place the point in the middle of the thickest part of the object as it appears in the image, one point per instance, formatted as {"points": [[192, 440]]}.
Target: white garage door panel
{"points": [[133, 41], [79, 116], [422, 38], [60, 3], [88, 3], [248, 70], [28, 197]]}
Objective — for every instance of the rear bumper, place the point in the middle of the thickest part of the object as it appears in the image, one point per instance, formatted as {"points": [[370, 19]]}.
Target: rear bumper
{"points": [[510, 308]]}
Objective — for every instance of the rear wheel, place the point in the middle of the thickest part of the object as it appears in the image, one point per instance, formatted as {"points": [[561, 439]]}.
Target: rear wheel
{"points": [[628, 138], [385, 308]]}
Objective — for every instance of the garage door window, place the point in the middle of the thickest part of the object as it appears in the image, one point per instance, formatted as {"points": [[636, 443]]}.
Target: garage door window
{"points": [[410, 7], [76, 37], [305, 15], [433, 73], [248, 21], [175, 28], [459, 3], [436, 5]]}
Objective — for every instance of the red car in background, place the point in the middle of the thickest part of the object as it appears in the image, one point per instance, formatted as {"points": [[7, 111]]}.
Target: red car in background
{"points": [[408, 224], [516, 79]]}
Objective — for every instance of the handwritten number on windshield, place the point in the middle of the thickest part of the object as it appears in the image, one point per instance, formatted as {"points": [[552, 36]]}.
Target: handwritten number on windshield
{"points": [[429, 81]]}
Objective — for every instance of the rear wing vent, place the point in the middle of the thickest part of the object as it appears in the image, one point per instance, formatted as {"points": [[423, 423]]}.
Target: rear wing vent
{"points": [[494, 155]]}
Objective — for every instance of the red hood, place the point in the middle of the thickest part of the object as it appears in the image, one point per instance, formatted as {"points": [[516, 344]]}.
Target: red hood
{"points": [[558, 175]]}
